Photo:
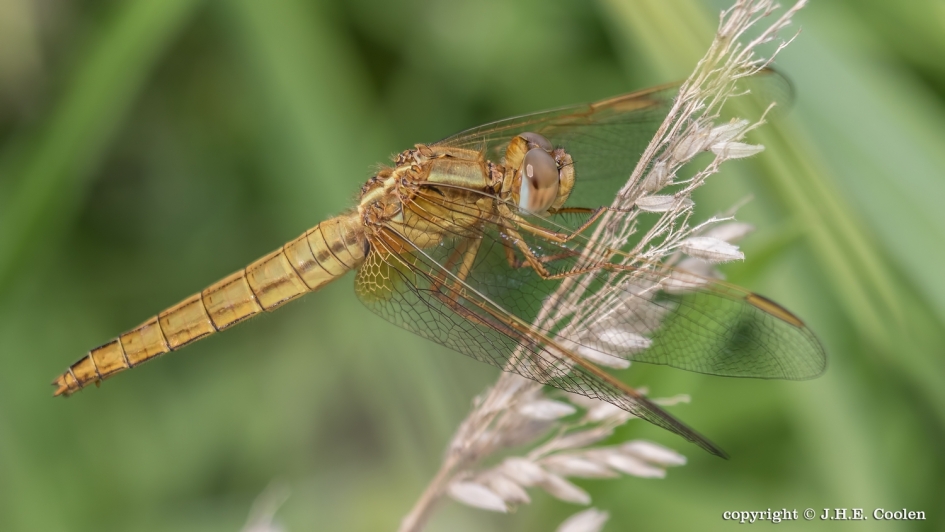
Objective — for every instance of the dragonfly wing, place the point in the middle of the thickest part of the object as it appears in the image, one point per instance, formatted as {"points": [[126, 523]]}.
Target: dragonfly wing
{"points": [[675, 318], [417, 291], [651, 314], [605, 139]]}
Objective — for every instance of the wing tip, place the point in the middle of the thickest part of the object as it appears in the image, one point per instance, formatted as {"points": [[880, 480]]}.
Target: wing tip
{"points": [[770, 307], [713, 449]]}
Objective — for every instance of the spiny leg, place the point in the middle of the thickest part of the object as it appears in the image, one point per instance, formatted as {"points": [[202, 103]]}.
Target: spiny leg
{"points": [[530, 258], [556, 236], [465, 254], [536, 262], [517, 263]]}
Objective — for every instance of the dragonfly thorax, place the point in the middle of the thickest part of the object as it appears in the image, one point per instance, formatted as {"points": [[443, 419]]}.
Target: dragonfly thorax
{"points": [[432, 194]]}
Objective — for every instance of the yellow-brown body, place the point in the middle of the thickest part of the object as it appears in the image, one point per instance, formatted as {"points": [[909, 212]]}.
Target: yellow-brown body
{"points": [[321, 255], [307, 263]]}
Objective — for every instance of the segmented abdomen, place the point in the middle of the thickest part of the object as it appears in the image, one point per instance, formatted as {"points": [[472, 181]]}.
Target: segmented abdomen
{"points": [[305, 264]]}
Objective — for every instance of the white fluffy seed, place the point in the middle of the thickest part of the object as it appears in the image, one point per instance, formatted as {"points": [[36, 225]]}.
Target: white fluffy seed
{"points": [[569, 465], [681, 282], [590, 520], [661, 203], [605, 411], [583, 438], [508, 489], [653, 453], [602, 358], [710, 249], [478, 496], [657, 178], [626, 341], [691, 145], [546, 409], [736, 150], [629, 465], [525, 472], [730, 131], [560, 488]]}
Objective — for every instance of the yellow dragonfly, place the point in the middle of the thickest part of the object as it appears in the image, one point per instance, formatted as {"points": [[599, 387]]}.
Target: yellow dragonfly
{"points": [[468, 241]]}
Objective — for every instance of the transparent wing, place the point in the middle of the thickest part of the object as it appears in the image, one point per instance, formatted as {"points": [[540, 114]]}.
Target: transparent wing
{"points": [[605, 139], [653, 314], [476, 294], [417, 292]]}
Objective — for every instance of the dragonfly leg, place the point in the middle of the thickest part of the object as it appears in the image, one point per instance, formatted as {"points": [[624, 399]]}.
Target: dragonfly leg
{"points": [[555, 236], [460, 251], [530, 258], [522, 263], [465, 255], [537, 263], [469, 258], [510, 254]]}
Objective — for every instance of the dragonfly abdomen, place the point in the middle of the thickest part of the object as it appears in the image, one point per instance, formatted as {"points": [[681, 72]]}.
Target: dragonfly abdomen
{"points": [[319, 256]]}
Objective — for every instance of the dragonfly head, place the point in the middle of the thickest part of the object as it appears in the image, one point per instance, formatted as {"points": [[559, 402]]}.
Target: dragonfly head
{"points": [[542, 176]]}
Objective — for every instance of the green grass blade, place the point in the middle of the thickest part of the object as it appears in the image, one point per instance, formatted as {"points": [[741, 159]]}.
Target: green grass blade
{"points": [[61, 157]]}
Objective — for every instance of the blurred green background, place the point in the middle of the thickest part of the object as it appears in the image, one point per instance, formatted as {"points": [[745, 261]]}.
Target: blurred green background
{"points": [[150, 147]]}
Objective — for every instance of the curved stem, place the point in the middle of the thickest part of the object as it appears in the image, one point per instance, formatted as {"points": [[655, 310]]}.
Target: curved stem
{"points": [[417, 518]]}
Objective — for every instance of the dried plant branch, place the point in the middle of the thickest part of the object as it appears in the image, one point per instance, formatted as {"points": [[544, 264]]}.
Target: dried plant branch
{"points": [[515, 411]]}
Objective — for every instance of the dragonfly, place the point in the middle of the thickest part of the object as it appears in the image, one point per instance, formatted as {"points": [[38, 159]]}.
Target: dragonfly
{"points": [[466, 241]]}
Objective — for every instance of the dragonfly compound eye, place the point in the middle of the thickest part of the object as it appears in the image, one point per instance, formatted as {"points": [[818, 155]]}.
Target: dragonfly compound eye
{"points": [[536, 141], [539, 181]]}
